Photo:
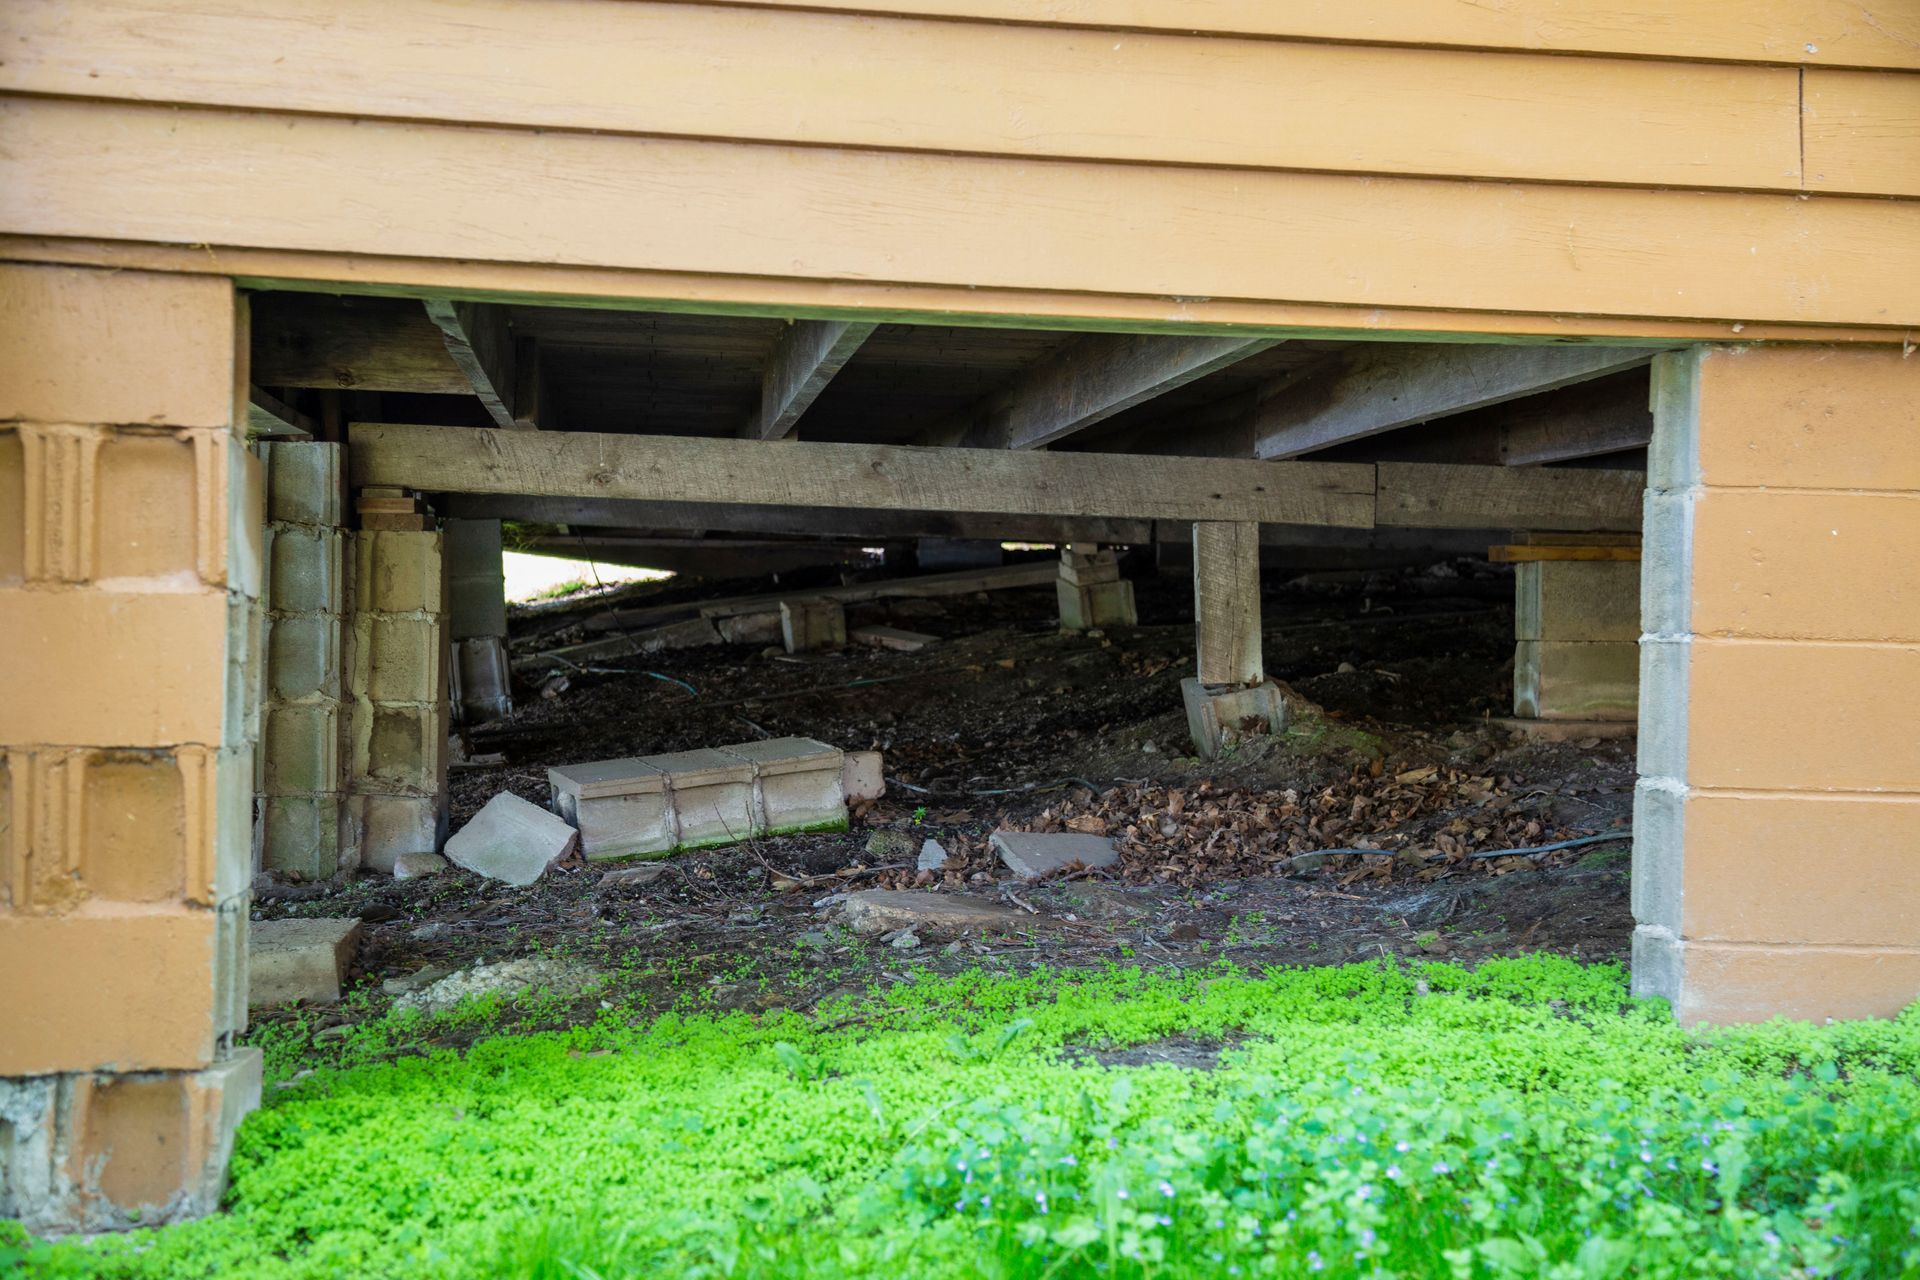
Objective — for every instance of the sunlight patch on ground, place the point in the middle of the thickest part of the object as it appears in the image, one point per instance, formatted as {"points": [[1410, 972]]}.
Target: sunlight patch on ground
{"points": [[531, 577]]}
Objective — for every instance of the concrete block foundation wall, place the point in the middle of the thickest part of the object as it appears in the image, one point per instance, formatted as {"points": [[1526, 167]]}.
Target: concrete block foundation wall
{"points": [[397, 773], [131, 520], [306, 827], [1577, 631], [1777, 850], [477, 619]]}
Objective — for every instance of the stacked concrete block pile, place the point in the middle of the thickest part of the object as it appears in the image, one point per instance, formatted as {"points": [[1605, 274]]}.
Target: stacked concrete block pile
{"points": [[1577, 632], [130, 579], [653, 805], [307, 830], [400, 696], [1091, 591]]}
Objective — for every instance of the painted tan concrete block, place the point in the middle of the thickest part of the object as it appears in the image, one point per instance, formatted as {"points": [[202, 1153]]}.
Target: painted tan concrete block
{"points": [[13, 508], [144, 976], [1824, 566], [1576, 680], [127, 347], [1787, 716], [398, 572], [1809, 417], [1725, 983], [134, 836], [1802, 869], [133, 669], [145, 506], [399, 750], [1587, 600]]}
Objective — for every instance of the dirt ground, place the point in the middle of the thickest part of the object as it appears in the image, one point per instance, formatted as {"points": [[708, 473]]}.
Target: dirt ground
{"points": [[1009, 723]]}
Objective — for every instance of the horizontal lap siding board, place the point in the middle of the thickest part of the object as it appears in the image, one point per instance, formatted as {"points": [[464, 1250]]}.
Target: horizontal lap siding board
{"points": [[1863, 132], [993, 89], [1834, 33], [115, 171]]}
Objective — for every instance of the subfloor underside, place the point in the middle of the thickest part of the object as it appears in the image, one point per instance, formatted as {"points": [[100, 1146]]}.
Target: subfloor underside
{"points": [[1007, 722]]}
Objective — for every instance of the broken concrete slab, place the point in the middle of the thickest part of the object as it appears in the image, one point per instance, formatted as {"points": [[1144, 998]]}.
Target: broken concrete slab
{"points": [[933, 856], [1029, 854], [511, 840], [862, 775], [895, 638], [295, 960], [412, 866], [876, 911]]}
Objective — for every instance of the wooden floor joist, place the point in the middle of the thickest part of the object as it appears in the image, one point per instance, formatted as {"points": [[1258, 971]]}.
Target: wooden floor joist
{"points": [[907, 478]]}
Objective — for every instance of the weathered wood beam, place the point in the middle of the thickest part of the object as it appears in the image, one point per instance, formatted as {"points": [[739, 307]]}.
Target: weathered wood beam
{"points": [[805, 359], [896, 477], [270, 418], [1090, 380], [535, 407], [354, 344], [1435, 495], [1226, 602], [1611, 415], [1368, 390], [480, 342]]}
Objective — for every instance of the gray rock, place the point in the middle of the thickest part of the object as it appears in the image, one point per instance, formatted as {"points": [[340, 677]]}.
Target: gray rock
{"points": [[430, 931], [890, 844], [644, 873], [411, 982], [508, 978], [815, 938], [877, 911], [1037, 853], [291, 960], [905, 940], [933, 856], [512, 840], [411, 866]]}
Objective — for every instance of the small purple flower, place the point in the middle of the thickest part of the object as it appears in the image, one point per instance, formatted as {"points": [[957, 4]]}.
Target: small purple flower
{"points": [[1166, 1188]]}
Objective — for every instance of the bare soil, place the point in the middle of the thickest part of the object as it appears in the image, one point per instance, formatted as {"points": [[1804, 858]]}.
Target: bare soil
{"points": [[1007, 722]]}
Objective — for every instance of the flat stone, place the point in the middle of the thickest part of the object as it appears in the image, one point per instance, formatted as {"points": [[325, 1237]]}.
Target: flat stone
{"points": [[294, 960], [894, 638], [412, 866], [511, 840], [933, 856], [1037, 853], [408, 983], [876, 911], [508, 978], [645, 873]]}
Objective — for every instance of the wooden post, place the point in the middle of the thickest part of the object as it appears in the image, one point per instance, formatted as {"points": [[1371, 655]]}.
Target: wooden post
{"points": [[1226, 601]]}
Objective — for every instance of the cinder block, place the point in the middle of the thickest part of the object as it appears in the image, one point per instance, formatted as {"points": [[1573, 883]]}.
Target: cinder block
{"points": [[862, 775], [306, 483], [304, 658], [299, 959], [398, 572], [1080, 567], [399, 750], [1220, 718], [146, 506], [302, 748], [134, 829], [154, 667], [93, 1153], [305, 835], [1030, 854], [403, 659], [808, 626], [620, 807], [1576, 680], [1725, 983], [511, 840], [796, 785], [1586, 600], [392, 825], [85, 345], [308, 569], [1101, 604], [145, 976], [712, 795]]}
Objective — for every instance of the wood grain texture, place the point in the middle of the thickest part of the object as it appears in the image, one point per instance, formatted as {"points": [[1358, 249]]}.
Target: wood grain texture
{"points": [[1839, 33], [1863, 132], [114, 171], [696, 70], [1376, 389], [805, 359], [882, 477], [1226, 602], [363, 344], [481, 345], [1426, 495], [1607, 415], [1101, 375]]}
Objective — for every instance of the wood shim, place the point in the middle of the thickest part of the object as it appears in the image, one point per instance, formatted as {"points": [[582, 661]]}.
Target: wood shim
{"points": [[882, 477]]}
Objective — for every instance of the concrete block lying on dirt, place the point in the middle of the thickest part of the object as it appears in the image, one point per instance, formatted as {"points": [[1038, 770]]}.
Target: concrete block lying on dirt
{"points": [[1038, 853], [411, 866], [892, 638], [862, 776], [808, 625], [875, 911], [290, 960], [796, 785], [711, 793], [620, 807], [511, 840]]}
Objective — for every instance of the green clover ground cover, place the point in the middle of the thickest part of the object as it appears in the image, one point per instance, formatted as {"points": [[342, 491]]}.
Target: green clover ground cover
{"points": [[1525, 1119]]}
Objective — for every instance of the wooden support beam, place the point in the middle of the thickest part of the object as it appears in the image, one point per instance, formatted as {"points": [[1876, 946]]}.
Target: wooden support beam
{"points": [[351, 344], [805, 359], [1432, 495], [1090, 380], [895, 477], [270, 418], [1609, 415], [1378, 388], [1226, 602], [534, 405], [481, 344]]}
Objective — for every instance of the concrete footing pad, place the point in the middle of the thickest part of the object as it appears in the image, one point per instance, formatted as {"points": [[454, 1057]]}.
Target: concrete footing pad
{"points": [[295, 960], [1220, 718], [102, 1152], [1030, 854]]}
